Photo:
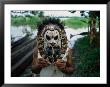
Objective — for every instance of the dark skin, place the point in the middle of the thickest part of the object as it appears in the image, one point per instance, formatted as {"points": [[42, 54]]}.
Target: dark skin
{"points": [[66, 66], [38, 64], [62, 65]]}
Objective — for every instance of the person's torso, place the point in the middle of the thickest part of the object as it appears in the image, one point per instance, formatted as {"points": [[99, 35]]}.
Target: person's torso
{"points": [[51, 71]]}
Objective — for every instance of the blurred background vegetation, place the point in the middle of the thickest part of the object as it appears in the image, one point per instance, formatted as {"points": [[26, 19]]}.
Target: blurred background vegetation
{"points": [[32, 18]]}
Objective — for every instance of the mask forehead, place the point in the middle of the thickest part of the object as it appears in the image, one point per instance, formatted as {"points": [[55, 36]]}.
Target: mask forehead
{"points": [[51, 30], [55, 33], [51, 33]]}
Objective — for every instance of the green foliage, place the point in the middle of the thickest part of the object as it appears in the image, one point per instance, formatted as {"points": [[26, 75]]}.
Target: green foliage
{"points": [[32, 21], [86, 59], [76, 22], [41, 14]]}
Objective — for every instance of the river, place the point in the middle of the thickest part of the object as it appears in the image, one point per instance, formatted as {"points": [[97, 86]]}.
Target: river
{"points": [[17, 32]]}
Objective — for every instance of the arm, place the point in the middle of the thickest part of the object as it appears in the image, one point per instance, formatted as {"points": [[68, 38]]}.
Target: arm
{"points": [[38, 62], [66, 66]]}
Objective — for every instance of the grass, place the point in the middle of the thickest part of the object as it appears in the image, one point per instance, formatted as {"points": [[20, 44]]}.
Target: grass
{"points": [[31, 21], [86, 59], [76, 22]]}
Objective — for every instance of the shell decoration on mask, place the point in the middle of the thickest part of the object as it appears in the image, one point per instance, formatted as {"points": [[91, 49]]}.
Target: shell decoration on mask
{"points": [[52, 39]]}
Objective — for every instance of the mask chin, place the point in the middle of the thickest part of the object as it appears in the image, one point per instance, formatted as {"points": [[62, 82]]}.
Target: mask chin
{"points": [[53, 53]]}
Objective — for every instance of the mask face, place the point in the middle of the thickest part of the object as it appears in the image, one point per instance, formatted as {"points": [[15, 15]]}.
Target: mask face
{"points": [[52, 41], [52, 36]]}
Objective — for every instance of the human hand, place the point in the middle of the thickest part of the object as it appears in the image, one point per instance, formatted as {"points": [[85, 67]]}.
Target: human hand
{"points": [[42, 62], [62, 65], [39, 64]]}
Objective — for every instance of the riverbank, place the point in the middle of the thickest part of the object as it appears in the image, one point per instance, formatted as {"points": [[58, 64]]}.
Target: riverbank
{"points": [[86, 59], [74, 22]]}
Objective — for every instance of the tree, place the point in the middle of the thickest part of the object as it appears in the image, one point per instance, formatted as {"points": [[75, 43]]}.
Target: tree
{"points": [[93, 19], [41, 14], [34, 12]]}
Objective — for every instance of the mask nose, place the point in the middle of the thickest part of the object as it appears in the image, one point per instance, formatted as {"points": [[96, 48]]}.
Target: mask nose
{"points": [[52, 44]]}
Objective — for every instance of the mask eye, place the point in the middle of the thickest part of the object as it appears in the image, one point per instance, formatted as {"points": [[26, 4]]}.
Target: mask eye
{"points": [[56, 37], [47, 37]]}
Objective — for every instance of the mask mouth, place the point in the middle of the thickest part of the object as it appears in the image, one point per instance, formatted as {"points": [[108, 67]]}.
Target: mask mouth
{"points": [[53, 53], [52, 44]]}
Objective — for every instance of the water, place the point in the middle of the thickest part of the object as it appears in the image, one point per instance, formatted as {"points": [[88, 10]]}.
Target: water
{"points": [[71, 31], [63, 19], [18, 32], [75, 32]]}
